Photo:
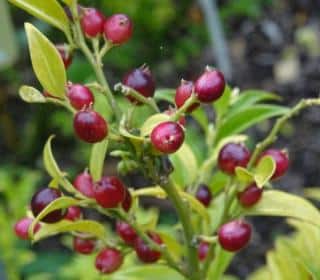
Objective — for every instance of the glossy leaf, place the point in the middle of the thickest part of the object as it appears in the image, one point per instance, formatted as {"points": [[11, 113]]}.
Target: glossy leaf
{"points": [[46, 62], [264, 171], [49, 162], [243, 175], [152, 122], [222, 104], [98, 154], [166, 94], [31, 95]]}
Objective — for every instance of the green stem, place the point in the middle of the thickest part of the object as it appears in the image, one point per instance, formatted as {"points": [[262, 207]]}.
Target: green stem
{"points": [[180, 112]]}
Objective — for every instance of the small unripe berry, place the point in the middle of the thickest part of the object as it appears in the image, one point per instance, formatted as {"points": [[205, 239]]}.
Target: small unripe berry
{"points": [[234, 235], [109, 192], [118, 29], [250, 196], [210, 85], [84, 184], [167, 137], [281, 159], [42, 199], [65, 55], [183, 93], [127, 202], [92, 22], [73, 213], [21, 228], [144, 252], [204, 195], [90, 126], [182, 120], [80, 96], [203, 250], [231, 156], [126, 232], [109, 260], [83, 246]]}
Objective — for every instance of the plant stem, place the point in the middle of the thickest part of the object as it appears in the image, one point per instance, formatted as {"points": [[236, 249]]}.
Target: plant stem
{"points": [[190, 101]]}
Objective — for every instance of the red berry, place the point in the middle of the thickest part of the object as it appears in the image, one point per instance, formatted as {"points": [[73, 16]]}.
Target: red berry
{"points": [[65, 55], [182, 120], [167, 137], [73, 213], [126, 232], [109, 192], [90, 126], [144, 252], [118, 28], [203, 250], [234, 235], [204, 195], [183, 93], [80, 96], [84, 184], [109, 260], [83, 246], [250, 196], [41, 199], [92, 22], [141, 80], [22, 226], [281, 159], [127, 202], [231, 156], [210, 85]]}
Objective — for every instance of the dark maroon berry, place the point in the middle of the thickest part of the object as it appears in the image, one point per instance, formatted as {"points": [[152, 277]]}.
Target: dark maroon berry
{"points": [[127, 233], [92, 22], [182, 120], [80, 96], [144, 252], [42, 199], [231, 156], [73, 213], [204, 195], [118, 29], [65, 55], [90, 126], [183, 93], [203, 250], [234, 235], [22, 226], [250, 196], [84, 184], [281, 159], [127, 202], [83, 246], [210, 85], [109, 260], [141, 80], [167, 137], [109, 192]]}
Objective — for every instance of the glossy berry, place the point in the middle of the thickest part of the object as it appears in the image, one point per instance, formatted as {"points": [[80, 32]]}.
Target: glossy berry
{"points": [[118, 29], [231, 156], [182, 120], [127, 233], [127, 202], [234, 235], [84, 184], [183, 92], [204, 195], [167, 137], [83, 246], [250, 196], [203, 250], [281, 159], [65, 55], [144, 252], [41, 199], [92, 22], [22, 226], [109, 192], [210, 85], [109, 260], [141, 80], [80, 96], [73, 213], [90, 126]]}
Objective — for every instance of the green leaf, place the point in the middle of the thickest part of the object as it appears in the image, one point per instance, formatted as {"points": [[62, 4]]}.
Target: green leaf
{"points": [[243, 175], [264, 171], [49, 11], [313, 193], [46, 61], [98, 154], [201, 117], [50, 163], [277, 203], [221, 262], [222, 104], [152, 122], [31, 95], [166, 94], [68, 2], [174, 247]]}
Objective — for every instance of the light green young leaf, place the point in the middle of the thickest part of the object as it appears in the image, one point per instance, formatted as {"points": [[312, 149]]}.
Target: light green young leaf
{"points": [[201, 117], [50, 163], [243, 175], [68, 2], [264, 171], [46, 62], [313, 193], [222, 104], [152, 122], [98, 155], [172, 244], [221, 262], [31, 95], [166, 94]]}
